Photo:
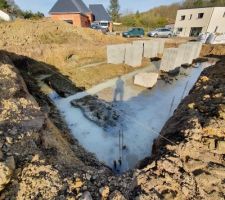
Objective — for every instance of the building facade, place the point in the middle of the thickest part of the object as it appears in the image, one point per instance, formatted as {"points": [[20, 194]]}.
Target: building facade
{"points": [[192, 22], [77, 13]]}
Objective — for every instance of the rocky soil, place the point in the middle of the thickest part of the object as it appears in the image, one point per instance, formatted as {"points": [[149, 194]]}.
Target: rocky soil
{"points": [[39, 161], [188, 159]]}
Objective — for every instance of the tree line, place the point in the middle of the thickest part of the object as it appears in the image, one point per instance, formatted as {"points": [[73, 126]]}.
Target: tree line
{"points": [[12, 8], [159, 16]]}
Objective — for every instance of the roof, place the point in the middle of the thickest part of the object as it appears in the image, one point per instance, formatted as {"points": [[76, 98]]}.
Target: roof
{"points": [[99, 12], [69, 6]]}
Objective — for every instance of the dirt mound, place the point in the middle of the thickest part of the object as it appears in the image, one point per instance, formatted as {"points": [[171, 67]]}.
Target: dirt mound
{"points": [[189, 163], [47, 31], [213, 50], [63, 47], [37, 160]]}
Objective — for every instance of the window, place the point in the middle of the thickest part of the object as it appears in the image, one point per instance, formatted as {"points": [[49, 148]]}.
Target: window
{"points": [[200, 15], [69, 21], [182, 17], [180, 29], [190, 17]]}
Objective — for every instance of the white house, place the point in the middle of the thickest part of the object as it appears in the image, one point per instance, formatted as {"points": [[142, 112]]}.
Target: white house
{"points": [[192, 22], [4, 16]]}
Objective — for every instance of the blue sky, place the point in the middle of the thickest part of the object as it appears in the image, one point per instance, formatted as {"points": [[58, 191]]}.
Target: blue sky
{"points": [[126, 5]]}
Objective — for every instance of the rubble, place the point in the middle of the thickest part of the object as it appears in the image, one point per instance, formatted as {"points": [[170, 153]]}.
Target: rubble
{"points": [[97, 110]]}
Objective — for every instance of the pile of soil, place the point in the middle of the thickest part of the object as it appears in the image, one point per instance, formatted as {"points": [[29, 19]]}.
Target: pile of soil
{"points": [[39, 161], [188, 159]]}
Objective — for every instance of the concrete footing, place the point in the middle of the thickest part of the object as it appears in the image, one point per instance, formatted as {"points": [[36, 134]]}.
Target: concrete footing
{"points": [[147, 80]]}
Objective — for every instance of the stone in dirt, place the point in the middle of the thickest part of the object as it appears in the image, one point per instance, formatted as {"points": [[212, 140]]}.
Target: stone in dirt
{"points": [[133, 55], [116, 195], [172, 58], [5, 175], [86, 196], [104, 191], [147, 80], [98, 111], [116, 53]]}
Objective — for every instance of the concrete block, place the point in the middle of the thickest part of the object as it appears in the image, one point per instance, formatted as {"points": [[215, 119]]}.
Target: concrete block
{"points": [[187, 52], [161, 46], [172, 58], [133, 55], [151, 49], [116, 53], [147, 80], [140, 44], [197, 47]]}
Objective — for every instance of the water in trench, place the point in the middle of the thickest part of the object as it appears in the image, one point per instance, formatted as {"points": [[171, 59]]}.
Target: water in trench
{"points": [[144, 114]]}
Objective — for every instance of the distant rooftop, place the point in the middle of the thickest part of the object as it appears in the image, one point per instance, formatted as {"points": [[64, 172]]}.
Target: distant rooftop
{"points": [[69, 6], [202, 8], [99, 12]]}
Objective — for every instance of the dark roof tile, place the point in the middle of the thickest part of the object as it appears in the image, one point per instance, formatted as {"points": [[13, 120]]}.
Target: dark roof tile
{"points": [[99, 12], [62, 6]]}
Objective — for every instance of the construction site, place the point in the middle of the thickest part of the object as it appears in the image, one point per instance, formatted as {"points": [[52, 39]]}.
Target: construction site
{"points": [[84, 115]]}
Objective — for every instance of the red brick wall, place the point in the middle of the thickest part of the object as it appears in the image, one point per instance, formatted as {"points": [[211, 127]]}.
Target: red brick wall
{"points": [[77, 19]]}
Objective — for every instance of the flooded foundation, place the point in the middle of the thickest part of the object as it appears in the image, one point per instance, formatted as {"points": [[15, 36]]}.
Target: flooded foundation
{"points": [[143, 113]]}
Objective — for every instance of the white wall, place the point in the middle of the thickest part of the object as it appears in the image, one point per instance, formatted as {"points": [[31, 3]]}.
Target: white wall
{"points": [[4, 16], [217, 20], [188, 23]]}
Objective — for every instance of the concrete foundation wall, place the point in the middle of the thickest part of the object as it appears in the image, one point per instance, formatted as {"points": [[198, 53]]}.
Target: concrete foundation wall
{"points": [[188, 53], [172, 58], [134, 55], [116, 53]]}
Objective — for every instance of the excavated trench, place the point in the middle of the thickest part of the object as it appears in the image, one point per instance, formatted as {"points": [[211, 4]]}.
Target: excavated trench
{"points": [[121, 133], [196, 129]]}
